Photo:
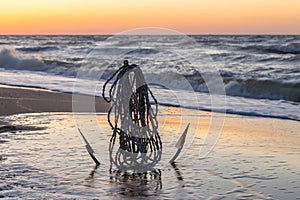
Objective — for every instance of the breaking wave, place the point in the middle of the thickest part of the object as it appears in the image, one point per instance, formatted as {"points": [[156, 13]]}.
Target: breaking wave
{"points": [[234, 86], [12, 60], [9, 59], [255, 88], [264, 89]]}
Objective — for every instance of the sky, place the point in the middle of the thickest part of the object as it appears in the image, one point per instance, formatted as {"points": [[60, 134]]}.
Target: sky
{"points": [[115, 16]]}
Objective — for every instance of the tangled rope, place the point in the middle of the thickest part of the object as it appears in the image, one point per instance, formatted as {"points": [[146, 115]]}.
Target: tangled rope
{"points": [[135, 121]]}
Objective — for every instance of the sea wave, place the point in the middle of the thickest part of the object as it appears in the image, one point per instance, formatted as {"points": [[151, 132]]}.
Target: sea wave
{"points": [[37, 49], [13, 60], [10, 59], [235, 85], [144, 51], [255, 88], [292, 48], [263, 89]]}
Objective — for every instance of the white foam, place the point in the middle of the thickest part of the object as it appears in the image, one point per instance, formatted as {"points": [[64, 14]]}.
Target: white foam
{"points": [[10, 59], [236, 105]]}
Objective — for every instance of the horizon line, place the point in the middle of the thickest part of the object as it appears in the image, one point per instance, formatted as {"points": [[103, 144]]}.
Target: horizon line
{"points": [[109, 34]]}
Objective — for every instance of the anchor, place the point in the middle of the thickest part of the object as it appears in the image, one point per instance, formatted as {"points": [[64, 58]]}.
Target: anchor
{"points": [[134, 124]]}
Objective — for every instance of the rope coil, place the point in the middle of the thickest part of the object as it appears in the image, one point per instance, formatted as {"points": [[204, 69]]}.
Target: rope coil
{"points": [[134, 120]]}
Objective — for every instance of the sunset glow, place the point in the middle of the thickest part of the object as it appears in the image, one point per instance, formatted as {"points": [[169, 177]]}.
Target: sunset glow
{"points": [[193, 16]]}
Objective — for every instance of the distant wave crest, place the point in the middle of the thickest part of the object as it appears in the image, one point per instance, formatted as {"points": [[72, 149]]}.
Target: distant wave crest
{"points": [[37, 49], [292, 48]]}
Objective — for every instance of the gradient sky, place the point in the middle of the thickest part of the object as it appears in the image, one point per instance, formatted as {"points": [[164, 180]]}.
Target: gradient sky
{"points": [[114, 16]]}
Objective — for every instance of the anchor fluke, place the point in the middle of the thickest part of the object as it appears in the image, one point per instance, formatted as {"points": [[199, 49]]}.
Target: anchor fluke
{"points": [[180, 143], [89, 149]]}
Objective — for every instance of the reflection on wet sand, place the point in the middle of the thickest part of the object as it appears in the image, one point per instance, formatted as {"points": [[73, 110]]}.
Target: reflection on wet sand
{"points": [[255, 158], [137, 184], [143, 184]]}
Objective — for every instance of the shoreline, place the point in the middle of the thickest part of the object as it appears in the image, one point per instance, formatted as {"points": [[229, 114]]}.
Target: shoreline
{"points": [[24, 98]]}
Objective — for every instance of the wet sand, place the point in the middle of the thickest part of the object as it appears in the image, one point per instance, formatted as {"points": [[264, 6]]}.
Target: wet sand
{"points": [[254, 158], [16, 100]]}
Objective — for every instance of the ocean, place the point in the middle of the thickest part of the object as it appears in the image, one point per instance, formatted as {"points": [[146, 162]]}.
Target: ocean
{"points": [[254, 75]]}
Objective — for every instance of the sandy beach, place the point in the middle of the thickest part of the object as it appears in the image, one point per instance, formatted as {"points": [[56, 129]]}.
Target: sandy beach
{"points": [[16, 100], [254, 158]]}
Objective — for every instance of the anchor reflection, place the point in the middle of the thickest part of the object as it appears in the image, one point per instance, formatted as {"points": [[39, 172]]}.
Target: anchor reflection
{"points": [[137, 184], [144, 184], [177, 172]]}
